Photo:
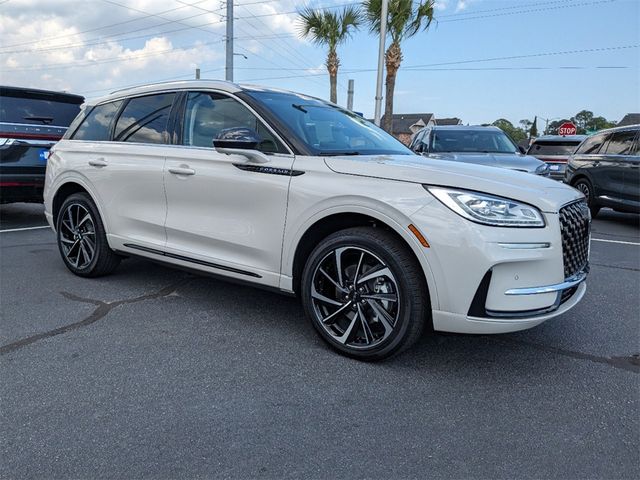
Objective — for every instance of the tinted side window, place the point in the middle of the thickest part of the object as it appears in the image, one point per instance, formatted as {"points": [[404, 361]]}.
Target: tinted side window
{"points": [[621, 143], [591, 145], [209, 113], [96, 125], [144, 119]]}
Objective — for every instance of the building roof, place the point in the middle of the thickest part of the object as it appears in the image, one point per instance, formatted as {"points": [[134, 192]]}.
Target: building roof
{"points": [[629, 119], [448, 121], [402, 122]]}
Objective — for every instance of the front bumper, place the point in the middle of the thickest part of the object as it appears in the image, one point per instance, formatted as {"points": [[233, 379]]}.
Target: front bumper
{"points": [[492, 279]]}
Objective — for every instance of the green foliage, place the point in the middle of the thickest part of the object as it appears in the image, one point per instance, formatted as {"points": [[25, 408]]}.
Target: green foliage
{"points": [[403, 21], [326, 27], [584, 121], [534, 128], [517, 134]]}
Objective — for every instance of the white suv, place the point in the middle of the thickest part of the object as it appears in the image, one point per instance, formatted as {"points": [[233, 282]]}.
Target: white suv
{"points": [[290, 192]]}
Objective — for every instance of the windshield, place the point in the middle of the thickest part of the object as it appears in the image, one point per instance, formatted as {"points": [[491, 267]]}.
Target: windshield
{"points": [[473, 141], [327, 129]]}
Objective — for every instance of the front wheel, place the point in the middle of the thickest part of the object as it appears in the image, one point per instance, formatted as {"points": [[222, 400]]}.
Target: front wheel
{"points": [[365, 293], [584, 186], [82, 240]]}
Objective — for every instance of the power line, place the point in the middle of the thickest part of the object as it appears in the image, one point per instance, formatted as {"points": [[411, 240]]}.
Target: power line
{"points": [[479, 17], [97, 28]]}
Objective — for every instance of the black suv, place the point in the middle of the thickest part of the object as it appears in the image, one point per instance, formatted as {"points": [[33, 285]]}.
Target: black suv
{"points": [[31, 121], [606, 168]]}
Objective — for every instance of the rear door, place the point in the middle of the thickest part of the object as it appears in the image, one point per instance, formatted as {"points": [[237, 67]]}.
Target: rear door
{"points": [[127, 173], [618, 169], [589, 160]]}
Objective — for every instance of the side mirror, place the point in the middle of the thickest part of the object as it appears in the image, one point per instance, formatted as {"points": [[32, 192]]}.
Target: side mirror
{"points": [[241, 138], [240, 141], [521, 149]]}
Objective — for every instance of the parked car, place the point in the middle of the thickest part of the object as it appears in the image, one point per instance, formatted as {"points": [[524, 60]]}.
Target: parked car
{"points": [[555, 151], [606, 169], [299, 195], [31, 121], [479, 145]]}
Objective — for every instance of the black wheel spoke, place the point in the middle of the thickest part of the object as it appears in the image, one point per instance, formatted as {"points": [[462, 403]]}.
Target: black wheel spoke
{"points": [[383, 271], [318, 296], [385, 297], [349, 330]]}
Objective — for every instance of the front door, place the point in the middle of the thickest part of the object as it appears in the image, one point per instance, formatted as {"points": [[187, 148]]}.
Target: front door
{"points": [[224, 211]]}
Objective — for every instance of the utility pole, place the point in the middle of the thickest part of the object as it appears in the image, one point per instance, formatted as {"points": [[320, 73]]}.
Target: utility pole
{"points": [[229, 43], [197, 74], [350, 95], [383, 35]]}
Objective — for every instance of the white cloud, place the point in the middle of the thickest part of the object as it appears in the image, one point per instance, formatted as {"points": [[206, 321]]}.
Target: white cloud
{"points": [[441, 4], [88, 47], [464, 4]]}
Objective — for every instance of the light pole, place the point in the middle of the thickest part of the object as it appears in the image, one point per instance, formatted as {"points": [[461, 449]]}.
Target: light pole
{"points": [[383, 35]]}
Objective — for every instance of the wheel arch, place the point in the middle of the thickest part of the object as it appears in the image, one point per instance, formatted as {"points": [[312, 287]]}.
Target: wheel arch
{"points": [[334, 221], [69, 187]]}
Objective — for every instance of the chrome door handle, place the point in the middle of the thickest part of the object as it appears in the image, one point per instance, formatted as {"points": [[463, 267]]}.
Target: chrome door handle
{"points": [[98, 162], [182, 170]]}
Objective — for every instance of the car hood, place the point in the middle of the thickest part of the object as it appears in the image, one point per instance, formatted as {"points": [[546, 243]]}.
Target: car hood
{"points": [[548, 195], [513, 161]]}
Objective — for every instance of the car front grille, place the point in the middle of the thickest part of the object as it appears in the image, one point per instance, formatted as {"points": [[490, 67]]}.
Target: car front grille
{"points": [[575, 225]]}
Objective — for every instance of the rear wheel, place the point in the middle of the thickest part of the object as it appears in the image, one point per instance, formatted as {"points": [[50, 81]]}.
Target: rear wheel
{"points": [[365, 293], [586, 188], [81, 238]]}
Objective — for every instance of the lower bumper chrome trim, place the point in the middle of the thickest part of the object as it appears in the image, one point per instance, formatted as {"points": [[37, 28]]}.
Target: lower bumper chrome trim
{"points": [[568, 283]]}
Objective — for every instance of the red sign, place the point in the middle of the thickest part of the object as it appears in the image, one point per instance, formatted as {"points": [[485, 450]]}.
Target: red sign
{"points": [[567, 128]]}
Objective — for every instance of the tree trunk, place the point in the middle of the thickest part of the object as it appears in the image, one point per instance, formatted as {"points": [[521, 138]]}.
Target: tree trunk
{"points": [[393, 59], [333, 63]]}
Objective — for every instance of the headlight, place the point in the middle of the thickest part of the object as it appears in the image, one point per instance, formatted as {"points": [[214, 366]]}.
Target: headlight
{"points": [[542, 169], [487, 209]]}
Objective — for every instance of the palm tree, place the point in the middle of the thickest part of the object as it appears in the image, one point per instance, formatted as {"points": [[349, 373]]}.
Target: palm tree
{"points": [[331, 29], [403, 21]]}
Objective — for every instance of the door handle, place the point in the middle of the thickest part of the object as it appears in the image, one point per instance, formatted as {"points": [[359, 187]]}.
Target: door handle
{"points": [[182, 170], [98, 162]]}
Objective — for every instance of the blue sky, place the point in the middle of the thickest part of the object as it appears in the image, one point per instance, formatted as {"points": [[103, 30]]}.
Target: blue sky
{"points": [[72, 46]]}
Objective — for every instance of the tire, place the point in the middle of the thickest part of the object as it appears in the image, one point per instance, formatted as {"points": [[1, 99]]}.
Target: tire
{"points": [[586, 188], [388, 291], [79, 229]]}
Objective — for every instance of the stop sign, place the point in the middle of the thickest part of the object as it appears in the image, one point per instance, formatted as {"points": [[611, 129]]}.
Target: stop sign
{"points": [[567, 128]]}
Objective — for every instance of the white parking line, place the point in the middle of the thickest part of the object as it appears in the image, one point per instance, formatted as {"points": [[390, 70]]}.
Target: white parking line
{"points": [[614, 241], [23, 229]]}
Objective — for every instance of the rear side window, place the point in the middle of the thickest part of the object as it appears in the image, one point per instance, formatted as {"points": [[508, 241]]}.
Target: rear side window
{"points": [[144, 119], [621, 143], [591, 145], [37, 111], [96, 126]]}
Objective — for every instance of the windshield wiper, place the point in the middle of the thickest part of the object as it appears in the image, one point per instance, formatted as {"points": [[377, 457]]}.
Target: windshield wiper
{"points": [[44, 120], [336, 153], [299, 107]]}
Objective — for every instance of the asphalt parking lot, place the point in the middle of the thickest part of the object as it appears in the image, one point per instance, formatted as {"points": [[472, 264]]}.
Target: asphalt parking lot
{"points": [[156, 373]]}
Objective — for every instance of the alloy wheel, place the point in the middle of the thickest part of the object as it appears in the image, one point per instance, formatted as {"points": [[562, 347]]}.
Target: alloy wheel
{"points": [[355, 297], [584, 188], [78, 236]]}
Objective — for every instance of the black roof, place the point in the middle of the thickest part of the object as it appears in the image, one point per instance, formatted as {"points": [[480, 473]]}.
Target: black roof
{"points": [[629, 119], [21, 92], [403, 121]]}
